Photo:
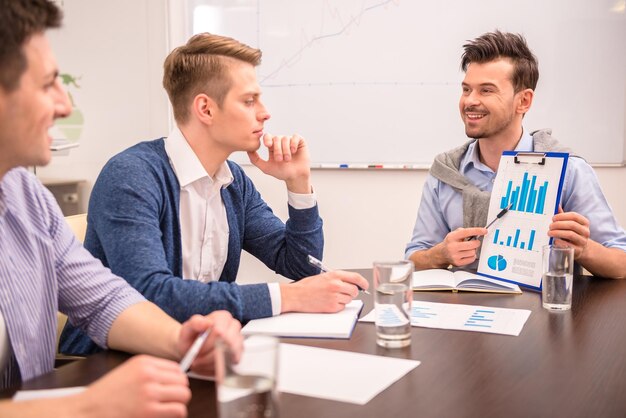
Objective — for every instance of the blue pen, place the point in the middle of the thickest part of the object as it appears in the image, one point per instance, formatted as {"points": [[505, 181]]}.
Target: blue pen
{"points": [[317, 263]]}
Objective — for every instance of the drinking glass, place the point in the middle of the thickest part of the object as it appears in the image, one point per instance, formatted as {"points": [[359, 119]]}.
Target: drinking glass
{"points": [[392, 301], [557, 278]]}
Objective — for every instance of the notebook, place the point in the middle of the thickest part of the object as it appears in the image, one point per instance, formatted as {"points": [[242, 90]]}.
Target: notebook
{"points": [[441, 279], [308, 325]]}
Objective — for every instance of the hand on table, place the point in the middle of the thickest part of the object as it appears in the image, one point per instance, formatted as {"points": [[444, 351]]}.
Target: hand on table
{"points": [[143, 386], [327, 292], [222, 326]]}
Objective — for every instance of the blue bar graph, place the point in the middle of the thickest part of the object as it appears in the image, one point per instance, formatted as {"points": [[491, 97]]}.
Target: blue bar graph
{"points": [[419, 312], [481, 318], [515, 238], [525, 197]]}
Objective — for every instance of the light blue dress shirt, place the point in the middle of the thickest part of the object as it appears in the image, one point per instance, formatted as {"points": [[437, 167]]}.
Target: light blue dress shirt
{"points": [[441, 207], [43, 268]]}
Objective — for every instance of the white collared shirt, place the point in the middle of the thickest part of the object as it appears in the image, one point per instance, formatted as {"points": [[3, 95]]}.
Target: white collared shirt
{"points": [[203, 220]]}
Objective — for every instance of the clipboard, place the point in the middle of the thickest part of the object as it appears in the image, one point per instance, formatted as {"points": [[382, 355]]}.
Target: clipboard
{"points": [[532, 183]]}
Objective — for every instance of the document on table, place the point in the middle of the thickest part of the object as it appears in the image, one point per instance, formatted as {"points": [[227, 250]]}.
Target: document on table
{"points": [[465, 317], [27, 395], [308, 325], [338, 375]]}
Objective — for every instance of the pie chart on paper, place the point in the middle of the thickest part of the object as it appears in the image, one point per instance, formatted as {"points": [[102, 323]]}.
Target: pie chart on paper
{"points": [[496, 262]]}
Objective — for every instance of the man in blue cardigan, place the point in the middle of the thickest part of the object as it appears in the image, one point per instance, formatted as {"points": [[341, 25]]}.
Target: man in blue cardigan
{"points": [[172, 215]]}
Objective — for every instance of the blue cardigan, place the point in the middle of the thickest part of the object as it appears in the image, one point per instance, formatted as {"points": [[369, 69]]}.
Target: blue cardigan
{"points": [[134, 229]]}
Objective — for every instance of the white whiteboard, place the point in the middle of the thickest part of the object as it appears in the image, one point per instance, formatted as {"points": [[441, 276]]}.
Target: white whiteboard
{"points": [[379, 81]]}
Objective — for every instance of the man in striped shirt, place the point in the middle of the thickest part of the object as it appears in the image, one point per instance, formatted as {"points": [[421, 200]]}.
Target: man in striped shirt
{"points": [[43, 268]]}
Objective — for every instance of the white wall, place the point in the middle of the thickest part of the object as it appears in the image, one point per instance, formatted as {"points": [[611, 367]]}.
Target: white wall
{"points": [[118, 47]]}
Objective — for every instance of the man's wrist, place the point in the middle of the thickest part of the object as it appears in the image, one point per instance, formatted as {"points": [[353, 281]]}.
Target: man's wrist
{"points": [[177, 355], [300, 185], [436, 257], [288, 293]]}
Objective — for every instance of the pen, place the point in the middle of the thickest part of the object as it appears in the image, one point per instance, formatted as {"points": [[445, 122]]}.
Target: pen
{"points": [[317, 263], [498, 216], [193, 351]]}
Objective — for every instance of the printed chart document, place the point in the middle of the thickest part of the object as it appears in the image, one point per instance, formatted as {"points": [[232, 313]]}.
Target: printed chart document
{"points": [[333, 374], [442, 279], [338, 375], [531, 183], [465, 317], [308, 325]]}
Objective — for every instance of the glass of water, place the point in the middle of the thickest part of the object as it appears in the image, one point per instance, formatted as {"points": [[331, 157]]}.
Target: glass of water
{"points": [[248, 389], [392, 301], [558, 277]]}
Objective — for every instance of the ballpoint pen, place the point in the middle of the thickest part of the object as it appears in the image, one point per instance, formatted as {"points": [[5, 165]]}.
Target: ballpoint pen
{"points": [[193, 351], [317, 263], [498, 216]]}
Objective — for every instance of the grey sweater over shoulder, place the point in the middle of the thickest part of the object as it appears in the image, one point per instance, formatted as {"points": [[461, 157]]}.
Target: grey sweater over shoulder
{"points": [[445, 168]]}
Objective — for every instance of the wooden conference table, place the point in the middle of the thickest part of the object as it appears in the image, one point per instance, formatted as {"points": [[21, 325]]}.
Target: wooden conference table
{"points": [[569, 363]]}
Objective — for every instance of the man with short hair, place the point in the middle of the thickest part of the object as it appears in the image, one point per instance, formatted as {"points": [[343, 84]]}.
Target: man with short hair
{"points": [[501, 75], [44, 269], [172, 215]]}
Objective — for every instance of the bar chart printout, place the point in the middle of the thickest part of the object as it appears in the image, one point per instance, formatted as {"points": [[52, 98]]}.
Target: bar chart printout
{"points": [[529, 197], [530, 183], [517, 240], [464, 317], [481, 318]]}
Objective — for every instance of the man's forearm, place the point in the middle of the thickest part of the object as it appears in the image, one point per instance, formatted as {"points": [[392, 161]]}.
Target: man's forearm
{"points": [[429, 259], [604, 262], [145, 328], [68, 406]]}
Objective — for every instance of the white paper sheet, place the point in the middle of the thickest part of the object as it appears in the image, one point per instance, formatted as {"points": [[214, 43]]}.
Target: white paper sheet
{"points": [[465, 317], [27, 395], [335, 375], [318, 325], [338, 375]]}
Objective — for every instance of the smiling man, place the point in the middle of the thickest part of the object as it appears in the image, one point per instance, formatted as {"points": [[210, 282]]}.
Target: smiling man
{"points": [[501, 75], [44, 269], [172, 215]]}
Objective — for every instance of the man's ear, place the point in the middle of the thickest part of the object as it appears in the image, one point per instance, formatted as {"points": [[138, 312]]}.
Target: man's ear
{"points": [[525, 100], [203, 108]]}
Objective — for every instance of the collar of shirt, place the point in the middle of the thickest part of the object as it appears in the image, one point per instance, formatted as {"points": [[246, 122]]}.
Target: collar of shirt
{"points": [[472, 159], [187, 165]]}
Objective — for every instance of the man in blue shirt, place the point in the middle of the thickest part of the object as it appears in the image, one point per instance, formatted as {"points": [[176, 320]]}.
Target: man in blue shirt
{"points": [[44, 269], [501, 74], [173, 215]]}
